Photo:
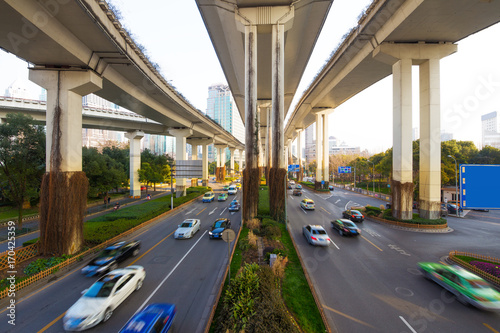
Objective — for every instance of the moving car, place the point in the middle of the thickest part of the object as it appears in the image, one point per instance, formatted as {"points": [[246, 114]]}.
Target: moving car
{"points": [[452, 208], [298, 187], [353, 215], [99, 301], [187, 229], [232, 189], [222, 197], [225, 188], [208, 197], [157, 317], [330, 187], [316, 235], [297, 192], [292, 182], [238, 186], [466, 286], [289, 186], [218, 227], [110, 257], [346, 227], [307, 204], [234, 206]]}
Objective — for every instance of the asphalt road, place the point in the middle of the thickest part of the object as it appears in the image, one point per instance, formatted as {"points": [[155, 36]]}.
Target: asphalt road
{"points": [[370, 283], [185, 272]]}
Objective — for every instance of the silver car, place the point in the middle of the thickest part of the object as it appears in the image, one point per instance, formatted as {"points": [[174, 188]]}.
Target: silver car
{"points": [[316, 235]]}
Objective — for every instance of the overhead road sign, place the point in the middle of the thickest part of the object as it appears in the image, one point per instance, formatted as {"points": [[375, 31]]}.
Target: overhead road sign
{"points": [[479, 186], [188, 169], [293, 168], [344, 169]]}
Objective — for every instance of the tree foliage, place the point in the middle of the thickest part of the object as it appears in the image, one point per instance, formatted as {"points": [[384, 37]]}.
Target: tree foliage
{"points": [[154, 168], [104, 172], [22, 159]]}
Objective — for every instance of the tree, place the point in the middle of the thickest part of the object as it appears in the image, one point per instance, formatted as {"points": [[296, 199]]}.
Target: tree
{"points": [[312, 167], [22, 159], [211, 168], [154, 169], [104, 172]]}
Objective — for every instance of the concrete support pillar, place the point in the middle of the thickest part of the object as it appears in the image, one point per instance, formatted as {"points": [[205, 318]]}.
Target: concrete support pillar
{"points": [[269, 138], [299, 152], [326, 150], [220, 172], [180, 154], [64, 114], [402, 154], [204, 143], [251, 173], [430, 141], [402, 57], [135, 162], [319, 147], [231, 161], [242, 153]]}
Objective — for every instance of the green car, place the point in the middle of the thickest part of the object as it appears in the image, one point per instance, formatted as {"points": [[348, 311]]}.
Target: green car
{"points": [[466, 286], [226, 187], [222, 197]]}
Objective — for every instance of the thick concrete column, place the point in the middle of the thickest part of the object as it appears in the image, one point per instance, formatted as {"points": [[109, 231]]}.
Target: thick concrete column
{"points": [[299, 152], [64, 187], [251, 172], [401, 57], [180, 135], [231, 161], [319, 148], [430, 141], [135, 162], [242, 153], [402, 154], [204, 143], [220, 173], [326, 150], [269, 142], [64, 114]]}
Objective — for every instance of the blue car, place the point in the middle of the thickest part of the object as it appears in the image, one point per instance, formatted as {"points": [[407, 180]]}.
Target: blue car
{"points": [[208, 197], [218, 227], [234, 206], [157, 318]]}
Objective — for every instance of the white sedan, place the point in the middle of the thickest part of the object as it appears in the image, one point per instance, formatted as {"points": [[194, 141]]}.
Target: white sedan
{"points": [[99, 301], [187, 229]]}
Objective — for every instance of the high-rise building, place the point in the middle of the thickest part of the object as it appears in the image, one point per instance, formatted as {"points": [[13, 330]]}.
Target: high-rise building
{"points": [[445, 136], [490, 130], [222, 109], [337, 147]]}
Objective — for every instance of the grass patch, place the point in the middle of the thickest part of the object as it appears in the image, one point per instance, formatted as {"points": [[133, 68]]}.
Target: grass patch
{"points": [[264, 208], [296, 292], [9, 213]]}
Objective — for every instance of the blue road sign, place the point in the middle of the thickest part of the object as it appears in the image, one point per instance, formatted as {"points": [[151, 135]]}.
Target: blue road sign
{"points": [[479, 186], [293, 168], [344, 169]]}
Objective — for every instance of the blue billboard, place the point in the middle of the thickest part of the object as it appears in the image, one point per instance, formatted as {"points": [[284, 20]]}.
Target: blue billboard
{"points": [[480, 186], [344, 169], [293, 168]]}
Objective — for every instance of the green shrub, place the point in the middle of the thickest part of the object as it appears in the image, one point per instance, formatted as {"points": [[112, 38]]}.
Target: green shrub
{"points": [[373, 211], [31, 241], [387, 215], [43, 263]]}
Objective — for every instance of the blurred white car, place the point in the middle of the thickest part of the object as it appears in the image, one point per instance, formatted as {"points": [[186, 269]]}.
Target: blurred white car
{"points": [[316, 235], [99, 301], [232, 189], [187, 229]]}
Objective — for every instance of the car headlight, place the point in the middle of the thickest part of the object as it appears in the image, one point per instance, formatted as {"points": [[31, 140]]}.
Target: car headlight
{"points": [[103, 268], [210, 233]]}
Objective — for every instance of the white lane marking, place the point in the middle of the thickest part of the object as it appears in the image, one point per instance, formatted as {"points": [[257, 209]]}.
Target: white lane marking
{"points": [[337, 200], [223, 211], [213, 211], [406, 323], [166, 277], [303, 209], [192, 210], [334, 243]]}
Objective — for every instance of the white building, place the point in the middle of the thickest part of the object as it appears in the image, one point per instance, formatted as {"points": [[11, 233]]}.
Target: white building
{"points": [[490, 130]]}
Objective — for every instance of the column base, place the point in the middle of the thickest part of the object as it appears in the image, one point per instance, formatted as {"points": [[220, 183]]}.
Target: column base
{"points": [[402, 200], [250, 200], [204, 182], [277, 193], [319, 186], [180, 191], [63, 202], [430, 209]]}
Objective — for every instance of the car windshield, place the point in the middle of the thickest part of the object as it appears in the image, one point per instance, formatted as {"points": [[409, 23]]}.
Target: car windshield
{"points": [[220, 224], [103, 287], [208, 194], [355, 212], [186, 225], [108, 253]]}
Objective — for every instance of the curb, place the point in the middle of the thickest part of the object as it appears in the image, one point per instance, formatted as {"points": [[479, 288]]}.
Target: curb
{"points": [[443, 230]]}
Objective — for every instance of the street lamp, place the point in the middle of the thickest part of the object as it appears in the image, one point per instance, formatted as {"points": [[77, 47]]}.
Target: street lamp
{"points": [[456, 186], [373, 179]]}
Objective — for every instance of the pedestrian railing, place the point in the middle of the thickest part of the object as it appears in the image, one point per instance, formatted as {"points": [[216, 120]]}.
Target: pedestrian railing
{"points": [[452, 255], [17, 256]]}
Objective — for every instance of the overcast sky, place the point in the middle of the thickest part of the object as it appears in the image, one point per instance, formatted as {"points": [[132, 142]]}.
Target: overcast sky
{"points": [[175, 37]]}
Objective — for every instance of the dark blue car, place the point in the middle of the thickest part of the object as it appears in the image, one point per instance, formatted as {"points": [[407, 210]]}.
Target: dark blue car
{"points": [[234, 206], [218, 227], [157, 318], [110, 257]]}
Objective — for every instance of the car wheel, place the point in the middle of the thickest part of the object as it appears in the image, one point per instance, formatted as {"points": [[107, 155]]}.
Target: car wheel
{"points": [[113, 266], [136, 252], [107, 314], [138, 285], [341, 233]]}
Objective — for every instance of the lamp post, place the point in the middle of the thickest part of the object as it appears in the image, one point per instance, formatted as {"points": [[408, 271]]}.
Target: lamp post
{"points": [[456, 185], [373, 179]]}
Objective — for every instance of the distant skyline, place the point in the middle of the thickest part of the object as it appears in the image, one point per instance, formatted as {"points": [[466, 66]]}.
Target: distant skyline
{"points": [[176, 39]]}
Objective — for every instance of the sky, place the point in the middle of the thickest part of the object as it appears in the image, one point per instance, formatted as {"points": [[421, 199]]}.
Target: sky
{"points": [[175, 37]]}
